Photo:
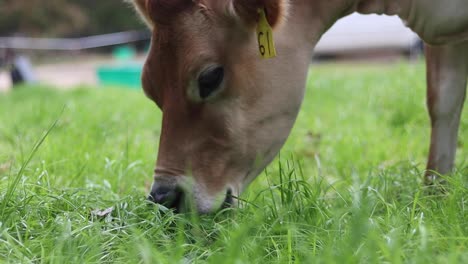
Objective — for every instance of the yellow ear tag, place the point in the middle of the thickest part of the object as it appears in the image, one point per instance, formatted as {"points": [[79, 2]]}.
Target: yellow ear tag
{"points": [[266, 44]]}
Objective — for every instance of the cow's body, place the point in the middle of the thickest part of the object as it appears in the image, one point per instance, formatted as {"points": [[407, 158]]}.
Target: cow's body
{"points": [[443, 25], [223, 141]]}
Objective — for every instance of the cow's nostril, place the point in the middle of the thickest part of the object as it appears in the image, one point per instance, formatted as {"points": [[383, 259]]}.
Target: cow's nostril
{"points": [[169, 196], [229, 200]]}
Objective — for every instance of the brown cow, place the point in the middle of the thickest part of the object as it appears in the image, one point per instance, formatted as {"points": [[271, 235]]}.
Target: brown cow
{"points": [[227, 112]]}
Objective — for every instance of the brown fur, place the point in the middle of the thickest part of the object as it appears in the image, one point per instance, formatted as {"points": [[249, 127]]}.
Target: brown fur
{"points": [[162, 11], [248, 10], [223, 143], [140, 7]]}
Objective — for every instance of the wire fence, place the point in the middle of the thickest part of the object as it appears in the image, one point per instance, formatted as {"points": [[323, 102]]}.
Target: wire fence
{"points": [[73, 44]]}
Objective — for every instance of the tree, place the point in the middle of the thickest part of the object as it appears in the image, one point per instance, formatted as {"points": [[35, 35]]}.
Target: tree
{"points": [[65, 18]]}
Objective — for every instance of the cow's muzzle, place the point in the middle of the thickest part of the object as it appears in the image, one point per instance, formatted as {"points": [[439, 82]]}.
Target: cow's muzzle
{"points": [[169, 195], [173, 196]]}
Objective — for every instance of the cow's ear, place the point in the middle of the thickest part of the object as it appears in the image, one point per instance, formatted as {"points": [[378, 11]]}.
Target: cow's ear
{"points": [[141, 6], [247, 10]]}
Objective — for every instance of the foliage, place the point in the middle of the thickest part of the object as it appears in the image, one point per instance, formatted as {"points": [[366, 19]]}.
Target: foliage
{"points": [[346, 189], [62, 18]]}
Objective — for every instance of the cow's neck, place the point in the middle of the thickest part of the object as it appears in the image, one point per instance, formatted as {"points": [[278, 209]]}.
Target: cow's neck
{"points": [[436, 22], [386, 7], [317, 16], [314, 17]]}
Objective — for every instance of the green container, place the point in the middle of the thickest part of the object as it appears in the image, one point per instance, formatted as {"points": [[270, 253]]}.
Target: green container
{"points": [[128, 76], [124, 53]]}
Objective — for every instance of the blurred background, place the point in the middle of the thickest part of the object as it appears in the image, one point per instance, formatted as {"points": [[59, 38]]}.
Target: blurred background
{"points": [[76, 43]]}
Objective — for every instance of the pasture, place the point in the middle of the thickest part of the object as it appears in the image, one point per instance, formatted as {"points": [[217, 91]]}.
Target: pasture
{"points": [[346, 188]]}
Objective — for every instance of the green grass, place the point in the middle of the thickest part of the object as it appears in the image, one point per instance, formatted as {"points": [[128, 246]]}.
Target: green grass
{"points": [[346, 188]]}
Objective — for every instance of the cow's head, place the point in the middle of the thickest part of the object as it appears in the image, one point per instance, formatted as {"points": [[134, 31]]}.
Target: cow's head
{"points": [[226, 111]]}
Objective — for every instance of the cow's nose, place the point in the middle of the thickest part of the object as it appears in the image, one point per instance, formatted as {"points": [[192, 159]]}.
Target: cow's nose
{"points": [[168, 195]]}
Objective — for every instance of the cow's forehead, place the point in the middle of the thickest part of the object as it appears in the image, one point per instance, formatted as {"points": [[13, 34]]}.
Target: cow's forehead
{"points": [[182, 46], [174, 57], [163, 11], [188, 35]]}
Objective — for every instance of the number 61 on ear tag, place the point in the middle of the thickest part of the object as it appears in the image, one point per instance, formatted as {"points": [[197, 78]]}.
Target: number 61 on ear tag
{"points": [[266, 45]]}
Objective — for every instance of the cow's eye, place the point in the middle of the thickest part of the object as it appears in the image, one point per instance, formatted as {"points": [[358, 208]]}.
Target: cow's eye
{"points": [[209, 81]]}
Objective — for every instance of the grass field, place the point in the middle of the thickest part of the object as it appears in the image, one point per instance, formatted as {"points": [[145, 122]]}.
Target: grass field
{"points": [[346, 188]]}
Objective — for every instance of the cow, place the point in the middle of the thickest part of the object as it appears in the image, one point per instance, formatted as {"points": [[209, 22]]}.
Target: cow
{"points": [[226, 111]]}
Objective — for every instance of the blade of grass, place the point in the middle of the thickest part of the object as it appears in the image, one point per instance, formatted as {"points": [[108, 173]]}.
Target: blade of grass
{"points": [[14, 184]]}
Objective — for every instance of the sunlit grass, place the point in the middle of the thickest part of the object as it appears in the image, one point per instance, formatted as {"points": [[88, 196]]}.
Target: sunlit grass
{"points": [[346, 188]]}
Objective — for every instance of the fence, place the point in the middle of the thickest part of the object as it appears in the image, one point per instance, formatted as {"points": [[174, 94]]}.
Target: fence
{"points": [[73, 44]]}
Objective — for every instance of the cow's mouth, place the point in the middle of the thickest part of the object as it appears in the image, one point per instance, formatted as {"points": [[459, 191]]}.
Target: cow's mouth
{"points": [[229, 200], [168, 197], [177, 201]]}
